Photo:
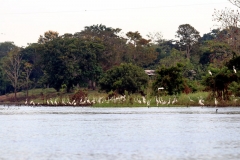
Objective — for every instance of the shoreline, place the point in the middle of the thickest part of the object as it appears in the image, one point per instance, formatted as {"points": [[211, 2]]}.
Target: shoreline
{"points": [[114, 105]]}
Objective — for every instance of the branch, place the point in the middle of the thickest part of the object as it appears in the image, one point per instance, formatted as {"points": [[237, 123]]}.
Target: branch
{"points": [[235, 2]]}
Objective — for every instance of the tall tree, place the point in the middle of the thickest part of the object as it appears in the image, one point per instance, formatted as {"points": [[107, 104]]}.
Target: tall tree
{"points": [[114, 45], [12, 64], [27, 70], [60, 62], [229, 28], [140, 50], [188, 36]]}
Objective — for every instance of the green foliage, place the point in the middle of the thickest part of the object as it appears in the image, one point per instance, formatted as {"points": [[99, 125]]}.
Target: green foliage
{"points": [[194, 85], [173, 59], [215, 52], [218, 82], [234, 87], [188, 36], [5, 48], [126, 77], [170, 78]]}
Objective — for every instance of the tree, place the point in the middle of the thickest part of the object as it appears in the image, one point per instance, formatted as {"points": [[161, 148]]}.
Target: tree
{"points": [[218, 83], [60, 60], [155, 37], [12, 64], [210, 36], [134, 38], [32, 55], [126, 77], [90, 65], [6, 47], [140, 50], [229, 32], [171, 79], [69, 60], [235, 2], [28, 67], [48, 36], [114, 45], [215, 52], [188, 36]]}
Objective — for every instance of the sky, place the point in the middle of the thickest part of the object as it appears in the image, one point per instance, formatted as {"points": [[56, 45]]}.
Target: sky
{"points": [[23, 21]]}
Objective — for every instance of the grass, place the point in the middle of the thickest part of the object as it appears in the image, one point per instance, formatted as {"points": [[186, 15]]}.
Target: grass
{"points": [[41, 95]]}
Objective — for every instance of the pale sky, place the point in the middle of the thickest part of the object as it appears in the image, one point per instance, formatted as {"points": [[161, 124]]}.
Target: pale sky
{"points": [[23, 21]]}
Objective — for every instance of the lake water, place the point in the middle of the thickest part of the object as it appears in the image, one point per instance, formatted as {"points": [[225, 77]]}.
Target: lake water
{"points": [[164, 133]]}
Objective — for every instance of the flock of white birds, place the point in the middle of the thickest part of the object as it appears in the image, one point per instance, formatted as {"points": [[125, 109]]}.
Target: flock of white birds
{"points": [[119, 99]]}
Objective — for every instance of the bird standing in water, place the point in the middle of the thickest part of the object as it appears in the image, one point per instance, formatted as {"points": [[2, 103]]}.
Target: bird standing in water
{"points": [[216, 102]]}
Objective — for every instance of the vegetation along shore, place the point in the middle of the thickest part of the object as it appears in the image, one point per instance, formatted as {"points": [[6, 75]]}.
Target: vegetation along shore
{"points": [[100, 67]]}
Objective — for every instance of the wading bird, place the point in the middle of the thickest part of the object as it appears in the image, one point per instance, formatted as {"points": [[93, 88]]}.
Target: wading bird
{"points": [[234, 69], [160, 88], [200, 102], [190, 99], [216, 102], [210, 72]]}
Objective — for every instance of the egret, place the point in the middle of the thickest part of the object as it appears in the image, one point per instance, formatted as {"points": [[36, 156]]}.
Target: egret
{"points": [[210, 72], [157, 101], [190, 99], [174, 100], [216, 102], [160, 88], [234, 69], [200, 102], [169, 101], [148, 103]]}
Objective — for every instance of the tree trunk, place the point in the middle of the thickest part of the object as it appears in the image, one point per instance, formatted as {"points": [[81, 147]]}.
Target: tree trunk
{"points": [[15, 94], [94, 85], [89, 84]]}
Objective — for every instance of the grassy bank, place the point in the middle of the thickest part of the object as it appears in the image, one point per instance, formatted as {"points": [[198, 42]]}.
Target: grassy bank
{"points": [[98, 99]]}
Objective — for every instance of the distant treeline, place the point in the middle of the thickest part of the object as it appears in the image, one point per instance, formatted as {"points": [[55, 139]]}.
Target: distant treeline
{"points": [[85, 58]]}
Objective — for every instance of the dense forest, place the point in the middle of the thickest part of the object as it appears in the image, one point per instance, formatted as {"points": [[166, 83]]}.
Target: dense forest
{"points": [[99, 57]]}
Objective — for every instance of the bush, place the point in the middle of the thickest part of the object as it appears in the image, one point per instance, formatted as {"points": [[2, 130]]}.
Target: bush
{"points": [[126, 77]]}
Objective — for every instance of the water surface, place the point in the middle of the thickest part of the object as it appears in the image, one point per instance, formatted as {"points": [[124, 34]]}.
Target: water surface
{"points": [[119, 133]]}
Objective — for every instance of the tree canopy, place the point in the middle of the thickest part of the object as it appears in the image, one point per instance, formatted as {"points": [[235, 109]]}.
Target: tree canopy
{"points": [[125, 77]]}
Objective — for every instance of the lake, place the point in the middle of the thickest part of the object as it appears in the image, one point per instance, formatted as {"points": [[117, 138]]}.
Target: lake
{"points": [[164, 133]]}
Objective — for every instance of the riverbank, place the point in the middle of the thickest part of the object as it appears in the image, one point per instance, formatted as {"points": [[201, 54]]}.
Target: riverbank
{"points": [[49, 97]]}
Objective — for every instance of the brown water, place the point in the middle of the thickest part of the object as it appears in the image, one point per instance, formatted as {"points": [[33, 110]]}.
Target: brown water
{"points": [[119, 133]]}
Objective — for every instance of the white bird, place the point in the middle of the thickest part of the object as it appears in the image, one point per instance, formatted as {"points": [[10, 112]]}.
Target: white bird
{"points": [[169, 101], [210, 72], [200, 102], [216, 102], [160, 88], [26, 102], [157, 101], [174, 100], [148, 103], [190, 99], [234, 69]]}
